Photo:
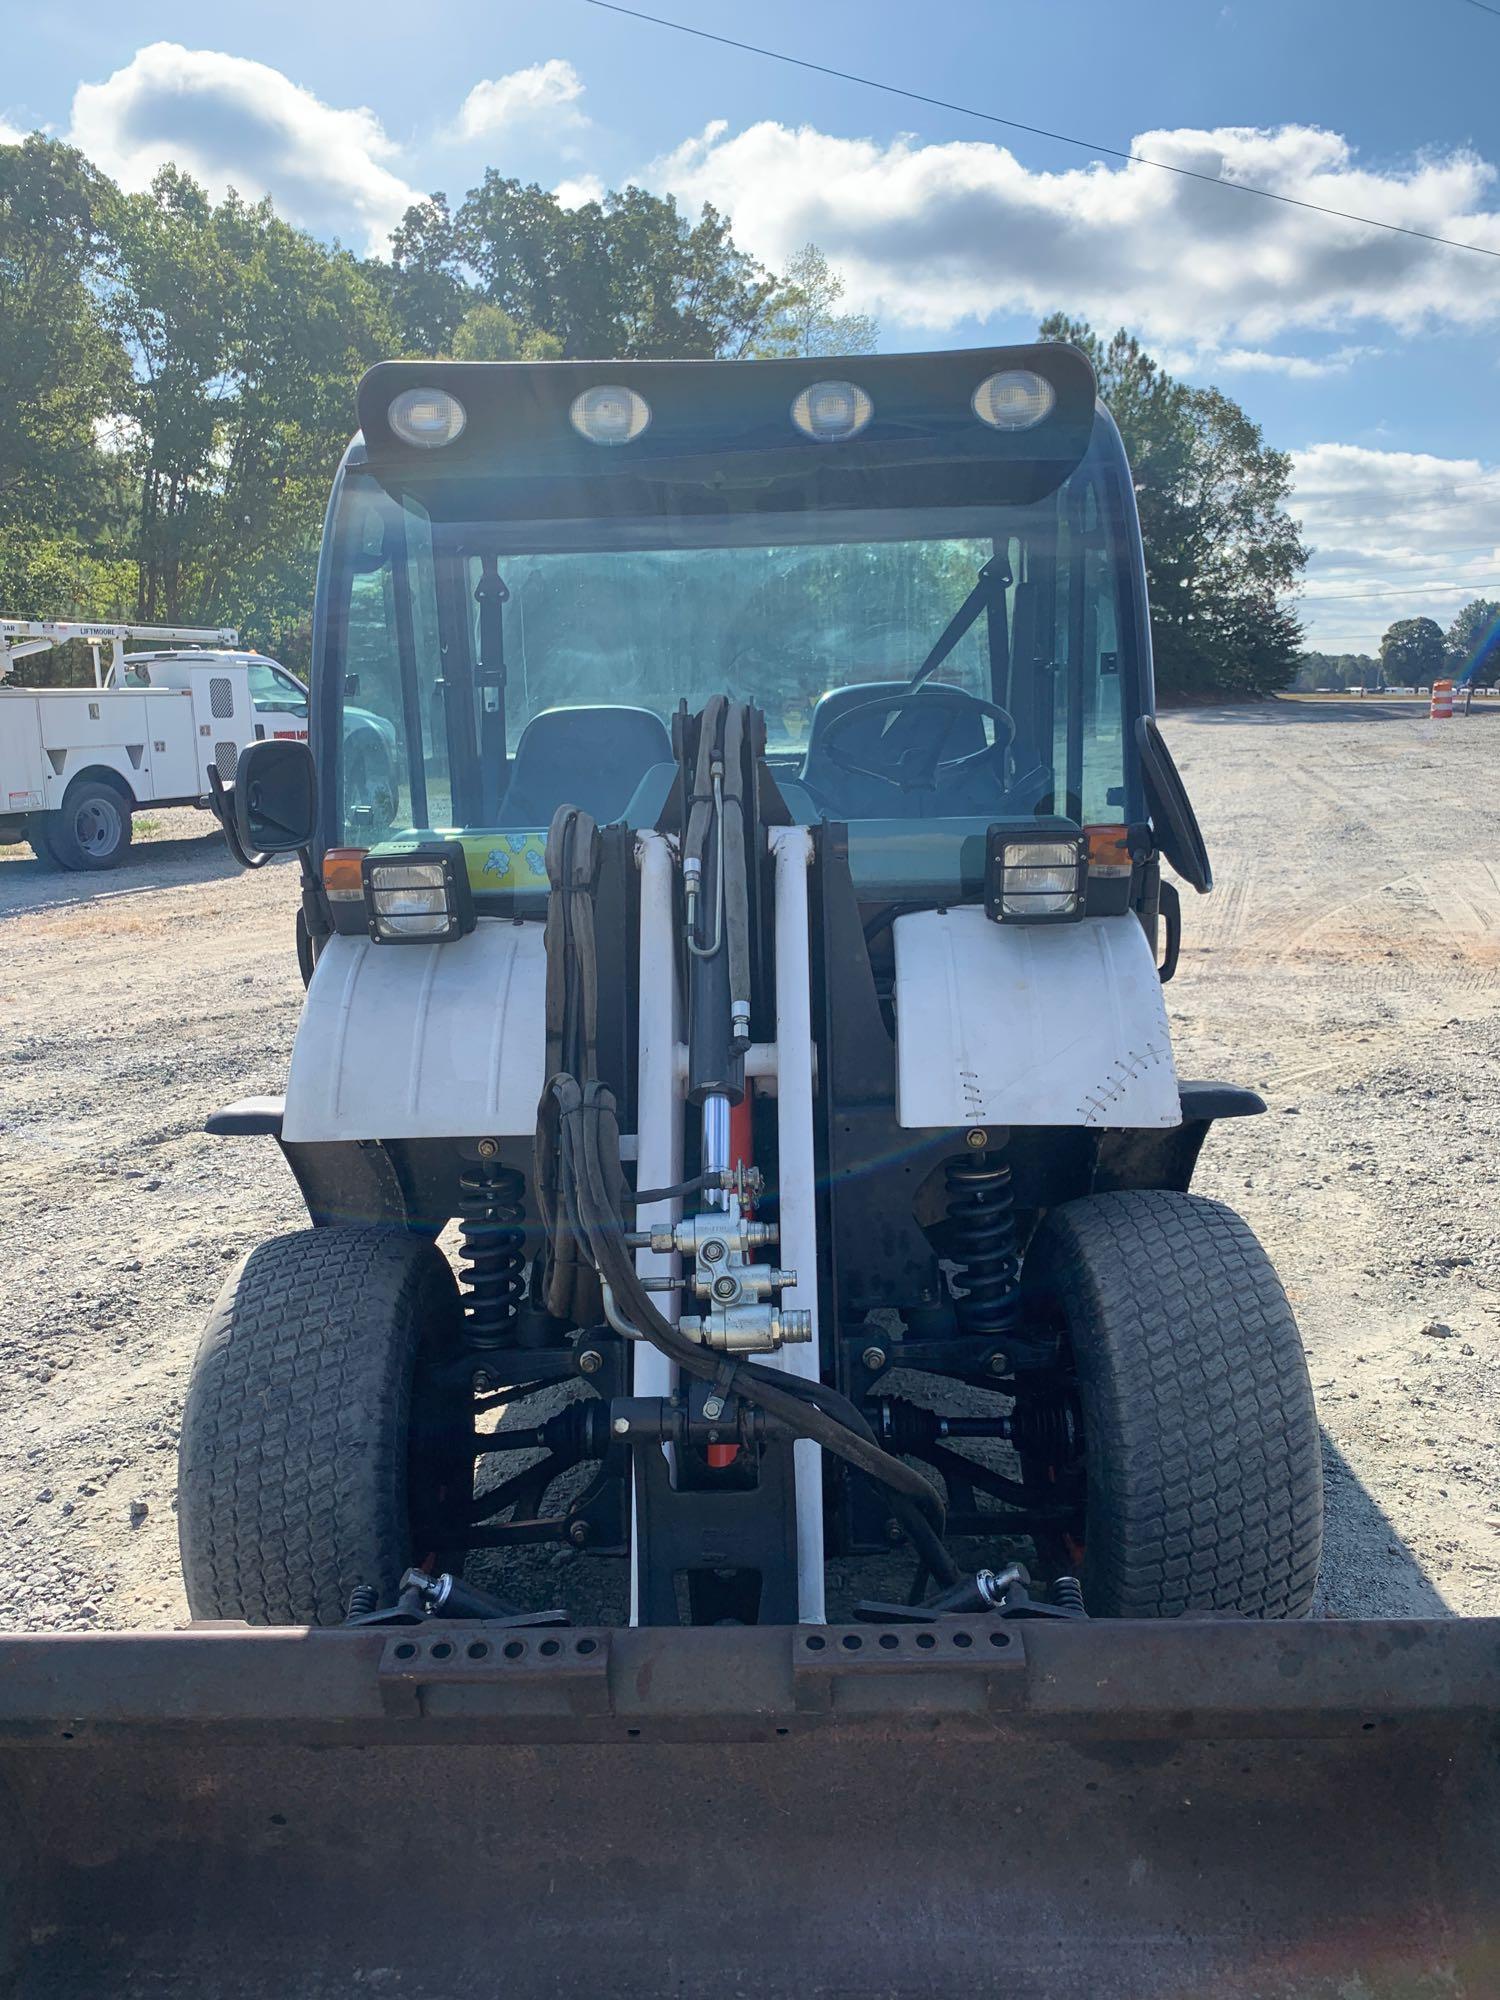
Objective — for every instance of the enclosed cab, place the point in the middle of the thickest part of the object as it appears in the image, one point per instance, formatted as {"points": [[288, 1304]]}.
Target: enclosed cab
{"points": [[760, 971]]}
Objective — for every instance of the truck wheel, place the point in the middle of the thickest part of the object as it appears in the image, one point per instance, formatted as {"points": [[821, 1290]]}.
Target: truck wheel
{"points": [[1202, 1457], [320, 1450], [91, 828], [36, 839]]}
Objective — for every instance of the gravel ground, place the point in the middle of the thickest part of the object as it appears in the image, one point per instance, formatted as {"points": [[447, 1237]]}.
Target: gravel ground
{"points": [[1347, 966]]}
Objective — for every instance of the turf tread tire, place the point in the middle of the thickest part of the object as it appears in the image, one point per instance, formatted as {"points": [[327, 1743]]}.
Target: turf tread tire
{"points": [[293, 1462], [1204, 1460]]}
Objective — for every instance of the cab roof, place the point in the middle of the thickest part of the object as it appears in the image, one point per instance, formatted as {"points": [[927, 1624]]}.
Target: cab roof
{"points": [[721, 438]]}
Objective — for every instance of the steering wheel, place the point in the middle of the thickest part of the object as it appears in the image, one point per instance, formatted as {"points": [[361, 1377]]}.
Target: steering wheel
{"points": [[916, 766]]}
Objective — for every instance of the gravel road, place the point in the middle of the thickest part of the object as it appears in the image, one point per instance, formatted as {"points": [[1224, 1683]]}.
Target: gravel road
{"points": [[1347, 965]]}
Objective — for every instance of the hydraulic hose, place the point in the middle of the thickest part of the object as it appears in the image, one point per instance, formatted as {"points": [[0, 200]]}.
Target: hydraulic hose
{"points": [[592, 1187]]}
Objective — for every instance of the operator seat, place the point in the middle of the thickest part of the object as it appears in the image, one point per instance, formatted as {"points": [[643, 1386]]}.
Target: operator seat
{"points": [[588, 757], [848, 794]]}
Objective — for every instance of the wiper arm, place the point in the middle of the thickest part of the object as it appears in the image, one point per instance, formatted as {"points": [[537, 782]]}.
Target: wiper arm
{"points": [[993, 580]]}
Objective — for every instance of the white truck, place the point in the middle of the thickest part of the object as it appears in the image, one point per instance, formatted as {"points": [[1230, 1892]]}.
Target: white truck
{"points": [[75, 762]]}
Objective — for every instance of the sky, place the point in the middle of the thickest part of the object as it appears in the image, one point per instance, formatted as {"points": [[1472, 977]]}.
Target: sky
{"points": [[1371, 357]]}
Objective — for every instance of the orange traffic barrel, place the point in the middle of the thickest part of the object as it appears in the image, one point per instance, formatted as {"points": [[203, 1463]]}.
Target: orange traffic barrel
{"points": [[1442, 701]]}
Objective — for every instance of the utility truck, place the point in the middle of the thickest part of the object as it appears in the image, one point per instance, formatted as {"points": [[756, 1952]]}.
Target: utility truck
{"points": [[76, 762], [760, 1474]]}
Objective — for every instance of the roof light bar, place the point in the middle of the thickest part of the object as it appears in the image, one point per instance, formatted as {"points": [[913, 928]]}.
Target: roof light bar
{"points": [[831, 411], [610, 414], [427, 418], [1014, 400]]}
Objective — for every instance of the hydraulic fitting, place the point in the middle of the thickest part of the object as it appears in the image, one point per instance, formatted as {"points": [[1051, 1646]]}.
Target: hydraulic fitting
{"points": [[741, 1329]]}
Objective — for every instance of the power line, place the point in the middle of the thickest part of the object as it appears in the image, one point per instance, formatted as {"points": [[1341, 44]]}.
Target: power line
{"points": [[1485, 7], [1358, 596], [1040, 131]]}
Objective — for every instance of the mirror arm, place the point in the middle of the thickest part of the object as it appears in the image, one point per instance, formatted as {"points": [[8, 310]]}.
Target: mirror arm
{"points": [[315, 912], [219, 798]]}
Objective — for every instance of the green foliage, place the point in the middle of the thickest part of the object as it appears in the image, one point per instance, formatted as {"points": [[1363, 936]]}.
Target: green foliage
{"points": [[245, 337], [63, 374], [802, 316], [488, 333], [1413, 653], [1337, 670], [424, 287], [1221, 550], [1473, 642], [626, 275], [47, 576]]}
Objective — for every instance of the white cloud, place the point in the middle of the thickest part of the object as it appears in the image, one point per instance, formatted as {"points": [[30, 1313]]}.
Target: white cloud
{"points": [[1394, 534], [580, 189], [10, 135], [547, 93], [1298, 367], [937, 235], [234, 123]]}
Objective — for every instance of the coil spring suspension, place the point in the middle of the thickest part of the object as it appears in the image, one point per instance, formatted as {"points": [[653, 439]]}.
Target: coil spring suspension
{"points": [[1067, 1592], [981, 1212], [492, 1264]]}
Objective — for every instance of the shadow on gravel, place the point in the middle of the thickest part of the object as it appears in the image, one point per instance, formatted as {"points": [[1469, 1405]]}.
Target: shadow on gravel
{"points": [[1369, 1571], [27, 885], [1283, 714]]}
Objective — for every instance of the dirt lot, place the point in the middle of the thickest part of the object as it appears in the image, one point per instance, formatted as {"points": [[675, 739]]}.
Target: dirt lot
{"points": [[1348, 966]]}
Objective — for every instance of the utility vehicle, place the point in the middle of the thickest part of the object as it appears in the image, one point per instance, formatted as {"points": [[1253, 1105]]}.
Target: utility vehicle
{"points": [[76, 762], [775, 1479]]}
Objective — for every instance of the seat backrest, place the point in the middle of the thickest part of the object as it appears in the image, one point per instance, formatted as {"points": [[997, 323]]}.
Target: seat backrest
{"points": [[588, 757], [847, 793]]}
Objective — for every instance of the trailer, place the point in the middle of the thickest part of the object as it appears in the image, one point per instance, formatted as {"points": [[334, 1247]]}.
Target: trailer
{"points": [[76, 763]]}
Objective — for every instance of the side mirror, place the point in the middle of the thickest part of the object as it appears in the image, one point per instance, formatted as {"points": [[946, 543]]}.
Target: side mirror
{"points": [[1173, 820], [272, 806]]}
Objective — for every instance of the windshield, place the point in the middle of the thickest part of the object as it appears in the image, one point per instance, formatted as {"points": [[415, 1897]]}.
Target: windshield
{"points": [[515, 671]]}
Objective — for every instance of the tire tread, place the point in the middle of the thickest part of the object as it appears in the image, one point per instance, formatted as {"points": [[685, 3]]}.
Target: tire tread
{"points": [[1202, 1442]]}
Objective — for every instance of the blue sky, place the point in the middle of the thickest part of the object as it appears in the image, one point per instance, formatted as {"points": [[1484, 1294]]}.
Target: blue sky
{"points": [[1371, 357]]}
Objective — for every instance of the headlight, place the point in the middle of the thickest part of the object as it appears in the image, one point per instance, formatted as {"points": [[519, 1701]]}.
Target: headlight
{"points": [[426, 417], [610, 414], [1039, 877], [830, 411], [421, 895], [1014, 400]]}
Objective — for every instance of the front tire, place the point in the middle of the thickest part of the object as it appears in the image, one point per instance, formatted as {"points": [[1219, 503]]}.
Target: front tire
{"points": [[91, 830], [318, 1452], [1202, 1454]]}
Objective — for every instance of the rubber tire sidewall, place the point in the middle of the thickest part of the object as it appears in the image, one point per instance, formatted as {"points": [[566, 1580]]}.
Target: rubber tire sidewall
{"points": [[1201, 1440], [62, 840], [294, 1461], [38, 831]]}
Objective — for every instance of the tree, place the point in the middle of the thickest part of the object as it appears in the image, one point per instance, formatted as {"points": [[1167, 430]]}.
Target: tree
{"points": [[1336, 670], [803, 319], [1473, 642], [246, 337], [626, 275], [62, 369], [425, 289], [1221, 551], [1412, 653], [488, 333]]}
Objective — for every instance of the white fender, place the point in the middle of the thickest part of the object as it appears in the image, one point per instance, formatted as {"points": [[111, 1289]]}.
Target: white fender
{"points": [[422, 1041], [1030, 1024]]}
